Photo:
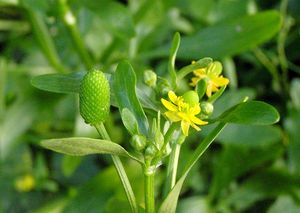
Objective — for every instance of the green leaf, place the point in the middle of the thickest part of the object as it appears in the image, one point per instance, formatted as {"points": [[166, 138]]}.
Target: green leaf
{"points": [[201, 88], [267, 184], [58, 83], [243, 135], [194, 204], [295, 93], [124, 88], [236, 160], [226, 39], [291, 126], [129, 121], [85, 146], [114, 16], [285, 204], [170, 202], [251, 113]]}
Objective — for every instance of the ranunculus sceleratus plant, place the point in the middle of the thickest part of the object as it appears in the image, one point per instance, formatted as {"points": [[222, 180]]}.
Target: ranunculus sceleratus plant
{"points": [[156, 137]]}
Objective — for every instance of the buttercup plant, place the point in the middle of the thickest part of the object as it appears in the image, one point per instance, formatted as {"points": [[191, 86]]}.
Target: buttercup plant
{"points": [[157, 139]]}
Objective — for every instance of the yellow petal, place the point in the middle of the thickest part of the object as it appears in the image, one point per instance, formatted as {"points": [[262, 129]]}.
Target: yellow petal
{"points": [[195, 110], [172, 116], [185, 127], [168, 105], [195, 127], [220, 81], [209, 89], [172, 96], [194, 81], [198, 121], [183, 116]]}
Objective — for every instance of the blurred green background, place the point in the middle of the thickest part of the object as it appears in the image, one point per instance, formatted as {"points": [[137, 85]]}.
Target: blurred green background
{"points": [[248, 169]]}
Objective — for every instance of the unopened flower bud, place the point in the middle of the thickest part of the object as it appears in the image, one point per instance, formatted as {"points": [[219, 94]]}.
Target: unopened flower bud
{"points": [[206, 108], [150, 78], [138, 142], [150, 152]]}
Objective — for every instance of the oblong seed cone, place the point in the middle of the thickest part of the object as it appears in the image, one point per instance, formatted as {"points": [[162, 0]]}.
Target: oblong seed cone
{"points": [[94, 97]]}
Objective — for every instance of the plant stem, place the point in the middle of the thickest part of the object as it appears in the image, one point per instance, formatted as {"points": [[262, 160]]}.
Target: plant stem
{"points": [[202, 63], [2, 87], [264, 60], [44, 39], [149, 190], [287, 23], [121, 171], [70, 21], [172, 169]]}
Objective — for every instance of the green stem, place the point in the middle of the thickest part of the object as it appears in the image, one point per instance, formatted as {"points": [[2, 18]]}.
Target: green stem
{"points": [[44, 39], [287, 23], [121, 171], [172, 169], [203, 147], [2, 87], [149, 191], [264, 60], [202, 63], [70, 22]]}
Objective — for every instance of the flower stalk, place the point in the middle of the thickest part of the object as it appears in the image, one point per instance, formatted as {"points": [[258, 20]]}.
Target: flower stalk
{"points": [[120, 170]]}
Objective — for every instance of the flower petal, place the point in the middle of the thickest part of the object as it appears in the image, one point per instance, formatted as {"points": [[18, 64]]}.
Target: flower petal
{"points": [[195, 127], [195, 110], [172, 116], [169, 105], [209, 89], [220, 81], [172, 96], [183, 116], [198, 121], [185, 127]]}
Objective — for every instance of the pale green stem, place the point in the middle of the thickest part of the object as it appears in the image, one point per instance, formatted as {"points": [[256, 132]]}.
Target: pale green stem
{"points": [[2, 87], [172, 169], [121, 171], [44, 39], [70, 22], [287, 23], [202, 63], [149, 191], [264, 60]]}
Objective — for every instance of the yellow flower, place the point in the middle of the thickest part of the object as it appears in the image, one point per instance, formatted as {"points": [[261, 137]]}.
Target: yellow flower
{"points": [[179, 110], [212, 75], [25, 183]]}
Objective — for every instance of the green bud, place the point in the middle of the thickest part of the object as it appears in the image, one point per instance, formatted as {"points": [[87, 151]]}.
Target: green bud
{"points": [[150, 152], [150, 78], [167, 150], [94, 97], [138, 142], [206, 108], [191, 97]]}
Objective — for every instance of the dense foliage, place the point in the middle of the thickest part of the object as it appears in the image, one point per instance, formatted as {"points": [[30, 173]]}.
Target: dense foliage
{"points": [[247, 169]]}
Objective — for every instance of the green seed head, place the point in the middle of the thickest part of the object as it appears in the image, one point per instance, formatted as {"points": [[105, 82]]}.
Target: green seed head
{"points": [[191, 97], [94, 97]]}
